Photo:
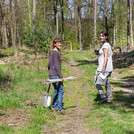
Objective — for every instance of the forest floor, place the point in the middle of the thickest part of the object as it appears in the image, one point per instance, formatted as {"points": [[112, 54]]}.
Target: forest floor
{"points": [[83, 114]]}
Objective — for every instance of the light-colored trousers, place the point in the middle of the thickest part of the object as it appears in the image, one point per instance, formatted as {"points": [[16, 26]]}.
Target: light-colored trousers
{"points": [[108, 94]]}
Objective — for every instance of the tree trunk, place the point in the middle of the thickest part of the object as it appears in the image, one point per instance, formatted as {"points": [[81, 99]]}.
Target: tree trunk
{"points": [[0, 23], [11, 23], [57, 28], [95, 19], [79, 24], [34, 14], [29, 14], [3, 26], [131, 22], [75, 19], [89, 10], [114, 40], [15, 23], [18, 37], [56, 16], [34, 24], [106, 16], [45, 17], [128, 24], [114, 22], [55, 10], [62, 15]]}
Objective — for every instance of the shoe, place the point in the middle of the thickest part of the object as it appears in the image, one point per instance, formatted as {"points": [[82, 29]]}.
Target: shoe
{"points": [[102, 100], [54, 109], [62, 112], [109, 102]]}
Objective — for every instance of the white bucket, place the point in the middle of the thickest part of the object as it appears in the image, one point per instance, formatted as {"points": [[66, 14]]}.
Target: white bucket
{"points": [[46, 101]]}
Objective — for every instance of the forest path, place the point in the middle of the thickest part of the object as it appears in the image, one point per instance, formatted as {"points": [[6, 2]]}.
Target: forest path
{"points": [[76, 95]]}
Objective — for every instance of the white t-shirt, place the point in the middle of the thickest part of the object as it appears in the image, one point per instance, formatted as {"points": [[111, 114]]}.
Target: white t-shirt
{"points": [[109, 66]]}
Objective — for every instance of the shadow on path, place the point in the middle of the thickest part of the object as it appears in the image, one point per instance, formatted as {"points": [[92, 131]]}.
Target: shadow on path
{"points": [[85, 62]]}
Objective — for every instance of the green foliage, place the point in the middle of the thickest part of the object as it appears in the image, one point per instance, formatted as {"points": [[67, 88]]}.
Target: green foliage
{"points": [[75, 44], [39, 40], [120, 22], [8, 51], [88, 34], [69, 34], [70, 37]]}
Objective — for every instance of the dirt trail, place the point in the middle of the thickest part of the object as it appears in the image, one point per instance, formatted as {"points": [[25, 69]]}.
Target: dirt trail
{"points": [[74, 123]]}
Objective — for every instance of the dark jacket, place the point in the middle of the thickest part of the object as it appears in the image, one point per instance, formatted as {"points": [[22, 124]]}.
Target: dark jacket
{"points": [[54, 64]]}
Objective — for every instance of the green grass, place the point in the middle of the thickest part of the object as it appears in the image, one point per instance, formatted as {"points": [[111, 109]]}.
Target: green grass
{"points": [[5, 129], [22, 89], [41, 116], [21, 86], [18, 87], [9, 51], [114, 119], [8, 101]]}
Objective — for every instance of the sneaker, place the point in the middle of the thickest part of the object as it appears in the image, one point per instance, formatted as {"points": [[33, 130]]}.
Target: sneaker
{"points": [[102, 100], [54, 109], [62, 112]]}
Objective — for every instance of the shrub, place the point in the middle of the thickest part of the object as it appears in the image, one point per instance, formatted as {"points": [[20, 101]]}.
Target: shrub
{"points": [[39, 39]]}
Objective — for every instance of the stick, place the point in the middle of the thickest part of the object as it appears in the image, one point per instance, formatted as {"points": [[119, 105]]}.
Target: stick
{"points": [[57, 80]]}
